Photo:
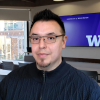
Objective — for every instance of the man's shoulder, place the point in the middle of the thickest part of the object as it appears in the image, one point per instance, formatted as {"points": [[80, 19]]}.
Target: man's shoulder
{"points": [[77, 81], [77, 77]]}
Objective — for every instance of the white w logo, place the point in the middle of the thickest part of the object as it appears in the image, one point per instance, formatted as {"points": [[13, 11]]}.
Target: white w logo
{"points": [[94, 40]]}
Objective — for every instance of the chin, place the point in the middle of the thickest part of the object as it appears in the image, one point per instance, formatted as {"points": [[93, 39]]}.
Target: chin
{"points": [[42, 64]]}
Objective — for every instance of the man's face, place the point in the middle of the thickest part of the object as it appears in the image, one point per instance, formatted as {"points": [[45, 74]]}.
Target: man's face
{"points": [[47, 55]]}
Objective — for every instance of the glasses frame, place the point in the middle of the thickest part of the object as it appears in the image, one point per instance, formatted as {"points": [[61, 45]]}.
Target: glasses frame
{"points": [[30, 37]]}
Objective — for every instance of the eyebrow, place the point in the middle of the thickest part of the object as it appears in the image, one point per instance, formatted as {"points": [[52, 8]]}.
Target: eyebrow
{"points": [[51, 33], [34, 34]]}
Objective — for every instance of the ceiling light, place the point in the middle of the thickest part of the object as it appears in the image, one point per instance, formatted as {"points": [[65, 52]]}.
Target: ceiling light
{"points": [[58, 0]]}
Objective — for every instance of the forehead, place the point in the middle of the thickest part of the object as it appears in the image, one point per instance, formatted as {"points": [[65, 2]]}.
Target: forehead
{"points": [[45, 27]]}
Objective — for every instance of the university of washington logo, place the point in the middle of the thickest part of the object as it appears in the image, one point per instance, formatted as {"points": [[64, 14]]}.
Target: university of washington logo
{"points": [[93, 41]]}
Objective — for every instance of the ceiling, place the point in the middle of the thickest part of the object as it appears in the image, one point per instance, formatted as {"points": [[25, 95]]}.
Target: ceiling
{"points": [[32, 3]]}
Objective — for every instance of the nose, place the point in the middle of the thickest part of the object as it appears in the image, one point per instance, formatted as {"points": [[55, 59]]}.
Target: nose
{"points": [[42, 43]]}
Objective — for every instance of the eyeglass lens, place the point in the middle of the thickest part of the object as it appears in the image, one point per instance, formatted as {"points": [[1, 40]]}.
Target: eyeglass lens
{"points": [[47, 39]]}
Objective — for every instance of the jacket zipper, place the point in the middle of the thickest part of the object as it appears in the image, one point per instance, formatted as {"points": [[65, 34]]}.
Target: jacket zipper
{"points": [[44, 76], [43, 82]]}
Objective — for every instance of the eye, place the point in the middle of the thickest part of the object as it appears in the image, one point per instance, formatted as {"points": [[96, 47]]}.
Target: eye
{"points": [[35, 38], [51, 38]]}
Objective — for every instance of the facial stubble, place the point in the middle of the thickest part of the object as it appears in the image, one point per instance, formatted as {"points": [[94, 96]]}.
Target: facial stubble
{"points": [[42, 65]]}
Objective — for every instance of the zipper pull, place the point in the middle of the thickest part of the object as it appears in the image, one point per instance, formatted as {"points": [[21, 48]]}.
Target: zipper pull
{"points": [[41, 97]]}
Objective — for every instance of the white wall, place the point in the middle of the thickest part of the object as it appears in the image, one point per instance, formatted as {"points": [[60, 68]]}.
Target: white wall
{"points": [[14, 14]]}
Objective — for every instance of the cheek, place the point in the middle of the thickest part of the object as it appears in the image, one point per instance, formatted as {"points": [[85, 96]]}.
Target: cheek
{"points": [[56, 49], [34, 49]]}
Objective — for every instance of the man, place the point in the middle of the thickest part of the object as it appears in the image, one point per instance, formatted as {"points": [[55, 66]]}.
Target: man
{"points": [[50, 77]]}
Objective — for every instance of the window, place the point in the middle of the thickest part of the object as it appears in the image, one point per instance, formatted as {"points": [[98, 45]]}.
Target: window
{"points": [[5, 26], [10, 26], [3, 49], [20, 44], [8, 47], [8, 56], [23, 43], [11, 42], [15, 25]]}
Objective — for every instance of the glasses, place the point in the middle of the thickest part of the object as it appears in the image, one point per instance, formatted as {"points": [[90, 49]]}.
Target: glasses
{"points": [[47, 39]]}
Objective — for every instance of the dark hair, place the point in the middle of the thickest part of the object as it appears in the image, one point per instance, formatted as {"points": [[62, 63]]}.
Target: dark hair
{"points": [[47, 15]]}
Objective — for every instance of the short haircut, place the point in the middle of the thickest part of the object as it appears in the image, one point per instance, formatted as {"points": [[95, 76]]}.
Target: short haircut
{"points": [[47, 15]]}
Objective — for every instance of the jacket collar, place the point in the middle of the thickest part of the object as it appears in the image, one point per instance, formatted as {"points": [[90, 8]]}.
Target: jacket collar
{"points": [[49, 76]]}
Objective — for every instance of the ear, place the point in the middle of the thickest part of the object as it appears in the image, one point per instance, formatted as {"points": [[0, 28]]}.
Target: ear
{"points": [[64, 42]]}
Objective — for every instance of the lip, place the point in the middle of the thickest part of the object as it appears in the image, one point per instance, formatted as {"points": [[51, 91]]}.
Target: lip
{"points": [[42, 55]]}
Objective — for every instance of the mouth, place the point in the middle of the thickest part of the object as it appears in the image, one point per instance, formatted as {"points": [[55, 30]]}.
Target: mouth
{"points": [[42, 55]]}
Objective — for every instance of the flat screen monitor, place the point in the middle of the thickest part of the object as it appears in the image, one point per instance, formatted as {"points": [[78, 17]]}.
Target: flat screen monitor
{"points": [[82, 30]]}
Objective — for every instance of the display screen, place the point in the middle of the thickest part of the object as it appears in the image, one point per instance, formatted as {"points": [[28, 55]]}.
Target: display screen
{"points": [[82, 30]]}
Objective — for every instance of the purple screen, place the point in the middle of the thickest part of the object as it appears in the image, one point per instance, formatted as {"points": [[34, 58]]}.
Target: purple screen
{"points": [[82, 30]]}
